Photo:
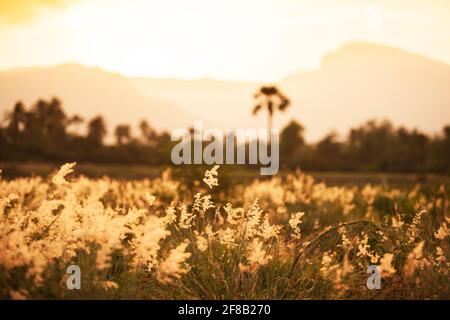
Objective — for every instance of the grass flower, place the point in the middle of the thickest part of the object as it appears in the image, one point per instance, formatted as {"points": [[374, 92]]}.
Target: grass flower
{"points": [[201, 242], [150, 199], [59, 178], [174, 266], [294, 222], [385, 267], [211, 177], [442, 232], [186, 217], [105, 226], [413, 259], [256, 256]]}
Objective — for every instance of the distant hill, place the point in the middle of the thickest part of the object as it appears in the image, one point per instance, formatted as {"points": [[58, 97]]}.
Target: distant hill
{"points": [[357, 82], [88, 92], [361, 81]]}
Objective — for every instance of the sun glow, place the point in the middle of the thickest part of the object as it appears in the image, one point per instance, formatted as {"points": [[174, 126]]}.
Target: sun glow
{"points": [[221, 39]]}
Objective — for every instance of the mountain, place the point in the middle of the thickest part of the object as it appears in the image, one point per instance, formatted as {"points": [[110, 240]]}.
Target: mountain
{"points": [[88, 92], [361, 81], [221, 104], [357, 82]]}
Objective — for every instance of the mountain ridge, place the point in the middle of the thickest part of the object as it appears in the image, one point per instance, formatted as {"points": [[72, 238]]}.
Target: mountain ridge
{"points": [[354, 83]]}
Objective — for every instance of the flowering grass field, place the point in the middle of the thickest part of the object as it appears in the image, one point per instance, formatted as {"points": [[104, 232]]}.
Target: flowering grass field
{"points": [[282, 238]]}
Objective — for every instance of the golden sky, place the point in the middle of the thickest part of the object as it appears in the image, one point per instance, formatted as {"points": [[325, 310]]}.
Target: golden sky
{"points": [[261, 40]]}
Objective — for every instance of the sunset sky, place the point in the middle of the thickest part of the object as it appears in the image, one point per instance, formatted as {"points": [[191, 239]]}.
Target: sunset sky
{"points": [[260, 40]]}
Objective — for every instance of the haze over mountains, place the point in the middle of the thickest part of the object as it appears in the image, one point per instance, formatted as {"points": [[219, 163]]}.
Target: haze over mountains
{"points": [[357, 82]]}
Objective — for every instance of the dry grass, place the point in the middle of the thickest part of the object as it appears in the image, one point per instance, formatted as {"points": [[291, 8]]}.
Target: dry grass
{"points": [[289, 238]]}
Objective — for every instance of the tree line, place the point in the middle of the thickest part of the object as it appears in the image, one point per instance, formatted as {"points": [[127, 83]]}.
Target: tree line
{"points": [[373, 146], [44, 132]]}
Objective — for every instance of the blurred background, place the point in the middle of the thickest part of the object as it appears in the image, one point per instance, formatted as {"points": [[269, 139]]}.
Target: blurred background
{"points": [[104, 82]]}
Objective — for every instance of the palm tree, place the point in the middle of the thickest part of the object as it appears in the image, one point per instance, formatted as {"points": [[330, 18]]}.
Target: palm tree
{"points": [[271, 99], [123, 134]]}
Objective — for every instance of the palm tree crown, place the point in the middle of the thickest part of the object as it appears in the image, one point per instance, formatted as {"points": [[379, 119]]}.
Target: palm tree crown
{"points": [[271, 99]]}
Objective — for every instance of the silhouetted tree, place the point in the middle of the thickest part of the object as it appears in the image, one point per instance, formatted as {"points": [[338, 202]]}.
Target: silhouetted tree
{"points": [[271, 99], [16, 121], [123, 134], [96, 131], [40, 133], [148, 134], [290, 140], [327, 153], [369, 144], [55, 121]]}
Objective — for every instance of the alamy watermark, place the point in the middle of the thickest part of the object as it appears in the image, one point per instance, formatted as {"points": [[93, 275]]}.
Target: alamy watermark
{"points": [[230, 146], [374, 280], [74, 279]]}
